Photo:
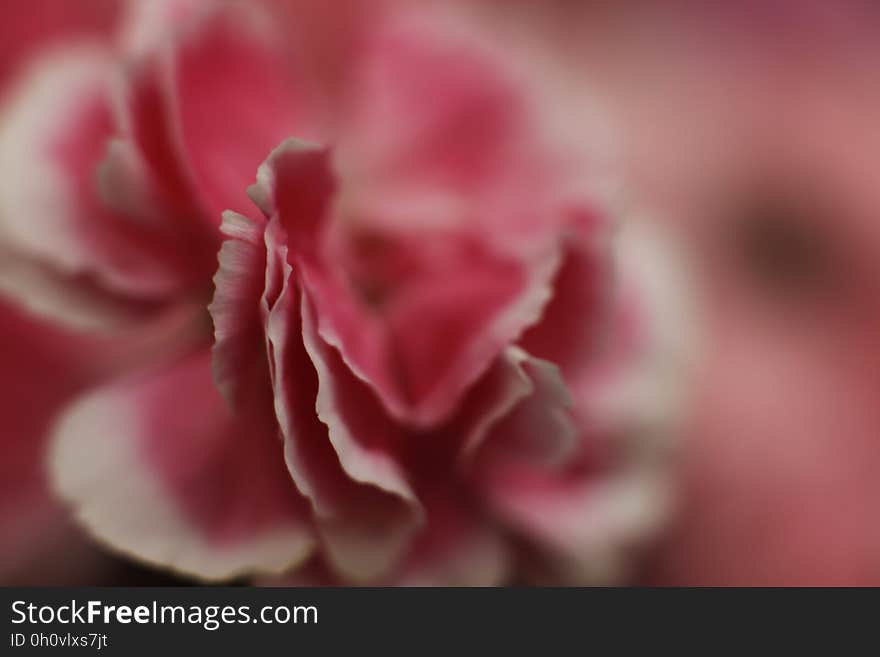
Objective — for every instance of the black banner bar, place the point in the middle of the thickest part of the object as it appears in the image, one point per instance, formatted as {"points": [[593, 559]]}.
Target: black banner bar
{"points": [[133, 621]]}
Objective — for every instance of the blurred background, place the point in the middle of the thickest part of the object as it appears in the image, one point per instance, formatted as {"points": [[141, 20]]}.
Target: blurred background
{"points": [[750, 133]]}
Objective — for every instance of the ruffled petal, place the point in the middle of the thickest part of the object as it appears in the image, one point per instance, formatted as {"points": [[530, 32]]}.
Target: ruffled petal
{"points": [[239, 345], [158, 467], [345, 467], [364, 511], [434, 244], [363, 436], [418, 315], [422, 317], [574, 325], [491, 399], [539, 430], [586, 519]]}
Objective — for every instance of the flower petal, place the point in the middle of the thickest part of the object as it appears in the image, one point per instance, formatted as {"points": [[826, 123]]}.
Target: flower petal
{"points": [[363, 436], [457, 548], [231, 78], [573, 326], [31, 26], [239, 345], [419, 315], [57, 154], [614, 492], [539, 430], [364, 509], [73, 302], [157, 467], [344, 404]]}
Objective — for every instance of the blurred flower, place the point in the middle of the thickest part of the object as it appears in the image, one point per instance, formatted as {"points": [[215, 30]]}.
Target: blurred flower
{"points": [[43, 366], [423, 308], [751, 129], [754, 128]]}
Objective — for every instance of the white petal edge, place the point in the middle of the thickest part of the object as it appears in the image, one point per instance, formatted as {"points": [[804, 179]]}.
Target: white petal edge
{"points": [[131, 513]]}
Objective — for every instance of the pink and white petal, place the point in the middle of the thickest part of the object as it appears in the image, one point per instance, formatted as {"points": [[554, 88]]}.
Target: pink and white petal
{"points": [[443, 129], [423, 316], [139, 209], [239, 343], [32, 26], [59, 111], [585, 528], [362, 434], [75, 302], [373, 302], [589, 519], [639, 383], [492, 398], [520, 407], [148, 120], [158, 468], [237, 312], [53, 137], [296, 184], [457, 546], [295, 187], [536, 439], [364, 527], [575, 321], [277, 267], [539, 430], [231, 77], [451, 450], [444, 233], [364, 541], [148, 25]]}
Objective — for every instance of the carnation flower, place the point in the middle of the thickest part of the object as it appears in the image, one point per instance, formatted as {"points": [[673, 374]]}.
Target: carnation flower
{"points": [[434, 359]]}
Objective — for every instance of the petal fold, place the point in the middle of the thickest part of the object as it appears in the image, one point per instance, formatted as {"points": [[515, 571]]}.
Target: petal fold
{"points": [[364, 510]]}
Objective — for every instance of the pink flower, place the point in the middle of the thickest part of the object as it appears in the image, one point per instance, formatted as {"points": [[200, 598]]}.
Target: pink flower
{"points": [[420, 370], [753, 126], [44, 366], [782, 479]]}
